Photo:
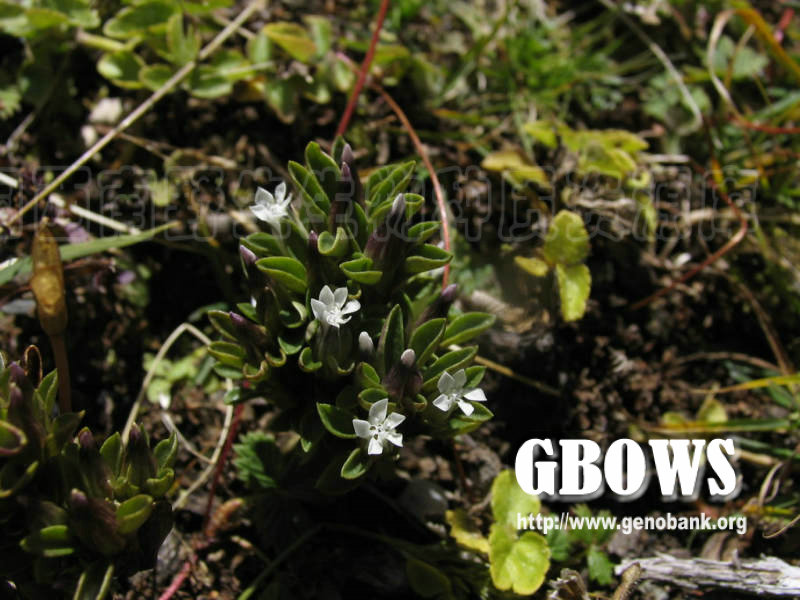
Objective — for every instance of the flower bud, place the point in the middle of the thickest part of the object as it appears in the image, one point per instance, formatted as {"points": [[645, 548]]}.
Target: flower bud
{"points": [[139, 460], [365, 345], [94, 522], [404, 379]]}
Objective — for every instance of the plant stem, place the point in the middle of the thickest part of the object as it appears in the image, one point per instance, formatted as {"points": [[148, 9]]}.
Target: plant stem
{"points": [[62, 367]]}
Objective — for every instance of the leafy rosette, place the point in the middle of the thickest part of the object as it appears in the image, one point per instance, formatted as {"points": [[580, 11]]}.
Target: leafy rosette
{"points": [[347, 330], [79, 512]]}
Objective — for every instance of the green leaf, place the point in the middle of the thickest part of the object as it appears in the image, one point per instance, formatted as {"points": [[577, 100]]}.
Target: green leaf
{"points": [[227, 353], [288, 271], [150, 16], [79, 12], [392, 341], [426, 338], [12, 439], [112, 452], [336, 420], [535, 266], [517, 564], [384, 185], [427, 258], [422, 231], [292, 38], [49, 542], [70, 252], [516, 167], [426, 580], [307, 362], [466, 326], [165, 452], [334, 246], [574, 285], [209, 82], [95, 582], [310, 187], [133, 513], [451, 361], [321, 33], [567, 242], [325, 170], [47, 391], [508, 500], [183, 47], [367, 376], [263, 244], [122, 68], [154, 77], [222, 322], [465, 532], [460, 423], [360, 270], [282, 96], [601, 569], [356, 465]]}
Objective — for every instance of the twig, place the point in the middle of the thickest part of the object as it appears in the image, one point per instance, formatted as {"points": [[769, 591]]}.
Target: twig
{"points": [[179, 76], [362, 74]]}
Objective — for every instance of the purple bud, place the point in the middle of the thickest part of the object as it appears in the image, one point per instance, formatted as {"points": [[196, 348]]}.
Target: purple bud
{"points": [[449, 293], [248, 257], [348, 157], [238, 320], [408, 358], [313, 242], [398, 208], [86, 439]]}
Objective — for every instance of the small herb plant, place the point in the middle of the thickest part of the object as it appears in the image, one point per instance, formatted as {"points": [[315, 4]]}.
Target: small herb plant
{"points": [[80, 514], [347, 332]]}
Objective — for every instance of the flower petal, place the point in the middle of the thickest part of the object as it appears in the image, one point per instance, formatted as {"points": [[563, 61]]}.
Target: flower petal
{"points": [[264, 197], [326, 296], [377, 412], [393, 420], [319, 309], [395, 438], [361, 427], [443, 402], [375, 447], [351, 307], [261, 212], [466, 407], [476, 395], [446, 383], [340, 296], [460, 378], [280, 191]]}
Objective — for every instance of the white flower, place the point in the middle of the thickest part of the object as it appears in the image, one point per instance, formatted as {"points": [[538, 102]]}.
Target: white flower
{"points": [[271, 208], [451, 388], [332, 307], [380, 428]]}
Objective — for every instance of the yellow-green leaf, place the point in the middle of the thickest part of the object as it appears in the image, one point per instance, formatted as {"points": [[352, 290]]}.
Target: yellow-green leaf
{"points": [[574, 284]]}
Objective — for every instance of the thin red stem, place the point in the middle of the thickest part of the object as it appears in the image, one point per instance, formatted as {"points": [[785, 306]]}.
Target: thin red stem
{"points": [[437, 187], [222, 461], [362, 73]]}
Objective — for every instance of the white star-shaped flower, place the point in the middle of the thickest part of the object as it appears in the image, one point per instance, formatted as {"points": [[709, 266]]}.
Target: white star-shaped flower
{"points": [[452, 391], [332, 307], [379, 428], [271, 208]]}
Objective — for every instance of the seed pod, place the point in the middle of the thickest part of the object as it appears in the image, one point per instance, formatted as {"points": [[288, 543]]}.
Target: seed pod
{"points": [[47, 282]]}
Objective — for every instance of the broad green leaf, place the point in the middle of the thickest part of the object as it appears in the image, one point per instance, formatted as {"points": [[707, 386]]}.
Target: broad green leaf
{"points": [[112, 452], [355, 465], [122, 68], [334, 246], [461, 424], [166, 451], [150, 16], [465, 532], [49, 542], [288, 271], [78, 12], [321, 33], [567, 242], [452, 361], [133, 513], [367, 376], [325, 170], [360, 270], [309, 186], [222, 322], [227, 353], [508, 500], [336, 420], [282, 96], [48, 390], [574, 285], [427, 258], [73, 251], [392, 341], [543, 132], [209, 82], [535, 266], [517, 564], [466, 326], [263, 244], [293, 38], [182, 47], [306, 361], [425, 339]]}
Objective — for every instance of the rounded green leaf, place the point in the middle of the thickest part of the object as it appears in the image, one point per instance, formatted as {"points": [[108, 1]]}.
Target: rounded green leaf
{"points": [[360, 270], [467, 326], [229, 354], [293, 38], [336, 420], [122, 68], [426, 580], [356, 465], [451, 361], [288, 271], [508, 500], [143, 17], [427, 258], [132, 513], [574, 285], [567, 241], [49, 542], [155, 76], [426, 338], [334, 246], [517, 564]]}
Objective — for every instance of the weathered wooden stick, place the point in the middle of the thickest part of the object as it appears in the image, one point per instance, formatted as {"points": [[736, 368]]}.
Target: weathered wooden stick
{"points": [[767, 576]]}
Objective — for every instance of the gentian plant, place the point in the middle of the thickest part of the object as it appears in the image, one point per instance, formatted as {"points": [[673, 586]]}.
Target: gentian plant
{"points": [[74, 515], [348, 332]]}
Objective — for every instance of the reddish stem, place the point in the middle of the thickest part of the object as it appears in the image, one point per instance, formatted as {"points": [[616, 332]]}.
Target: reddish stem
{"points": [[362, 74], [437, 187], [177, 582], [222, 461]]}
